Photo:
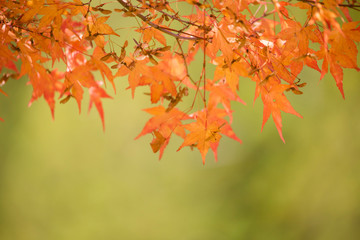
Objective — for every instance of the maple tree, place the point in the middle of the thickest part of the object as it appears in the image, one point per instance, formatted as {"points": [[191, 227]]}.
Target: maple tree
{"points": [[259, 40]]}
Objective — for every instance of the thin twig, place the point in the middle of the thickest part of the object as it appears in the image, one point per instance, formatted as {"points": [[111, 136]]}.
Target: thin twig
{"points": [[160, 28], [322, 3], [174, 17], [185, 63]]}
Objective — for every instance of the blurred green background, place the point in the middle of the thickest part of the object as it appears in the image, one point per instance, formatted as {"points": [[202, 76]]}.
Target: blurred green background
{"points": [[67, 179]]}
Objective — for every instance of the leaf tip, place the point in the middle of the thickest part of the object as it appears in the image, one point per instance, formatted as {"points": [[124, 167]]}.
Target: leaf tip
{"points": [[1, 91], [103, 124], [341, 89], [342, 92], [53, 114], [281, 136]]}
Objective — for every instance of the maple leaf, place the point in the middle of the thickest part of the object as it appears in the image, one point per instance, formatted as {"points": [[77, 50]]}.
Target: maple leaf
{"points": [[274, 102], [77, 79], [217, 115], [229, 73], [221, 93], [221, 42], [343, 49], [99, 27], [351, 30], [343, 53], [205, 132], [149, 33], [7, 62], [164, 79], [163, 123], [103, 68], [49, 13], [201, 135], [159, 142], [96, 93], [45, 84], [310, 60], [135, 70]]}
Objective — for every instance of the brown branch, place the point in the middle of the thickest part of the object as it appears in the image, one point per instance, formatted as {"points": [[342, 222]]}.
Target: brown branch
{"points": [[160, 28], [88, 9], [322, 3], [174, 17], [204, 65]]}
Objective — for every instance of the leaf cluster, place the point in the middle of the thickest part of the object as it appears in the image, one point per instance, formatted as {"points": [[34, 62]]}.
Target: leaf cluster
{"points": [[258, 40]]}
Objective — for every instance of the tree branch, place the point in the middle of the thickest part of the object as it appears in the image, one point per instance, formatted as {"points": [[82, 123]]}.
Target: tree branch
{"points": [[174, 17], [322, 3], [160, 28]]}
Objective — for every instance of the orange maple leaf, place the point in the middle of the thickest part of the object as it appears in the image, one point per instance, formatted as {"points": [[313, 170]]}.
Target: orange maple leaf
{"points": [[221, 93], [275, 102], [201, 135], [205, 132], [45, 84], [96, 93], [162, 125]]}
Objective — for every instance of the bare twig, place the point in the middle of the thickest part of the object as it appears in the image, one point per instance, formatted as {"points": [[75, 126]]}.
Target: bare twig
{"points": [[158, 27], [340, 5]]}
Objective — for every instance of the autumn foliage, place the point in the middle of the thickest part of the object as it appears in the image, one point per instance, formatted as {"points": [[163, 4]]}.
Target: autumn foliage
{"points": [[60, 45]]}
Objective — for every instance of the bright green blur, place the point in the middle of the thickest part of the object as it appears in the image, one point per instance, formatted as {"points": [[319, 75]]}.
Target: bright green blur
{"points": [[68, 180]]}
